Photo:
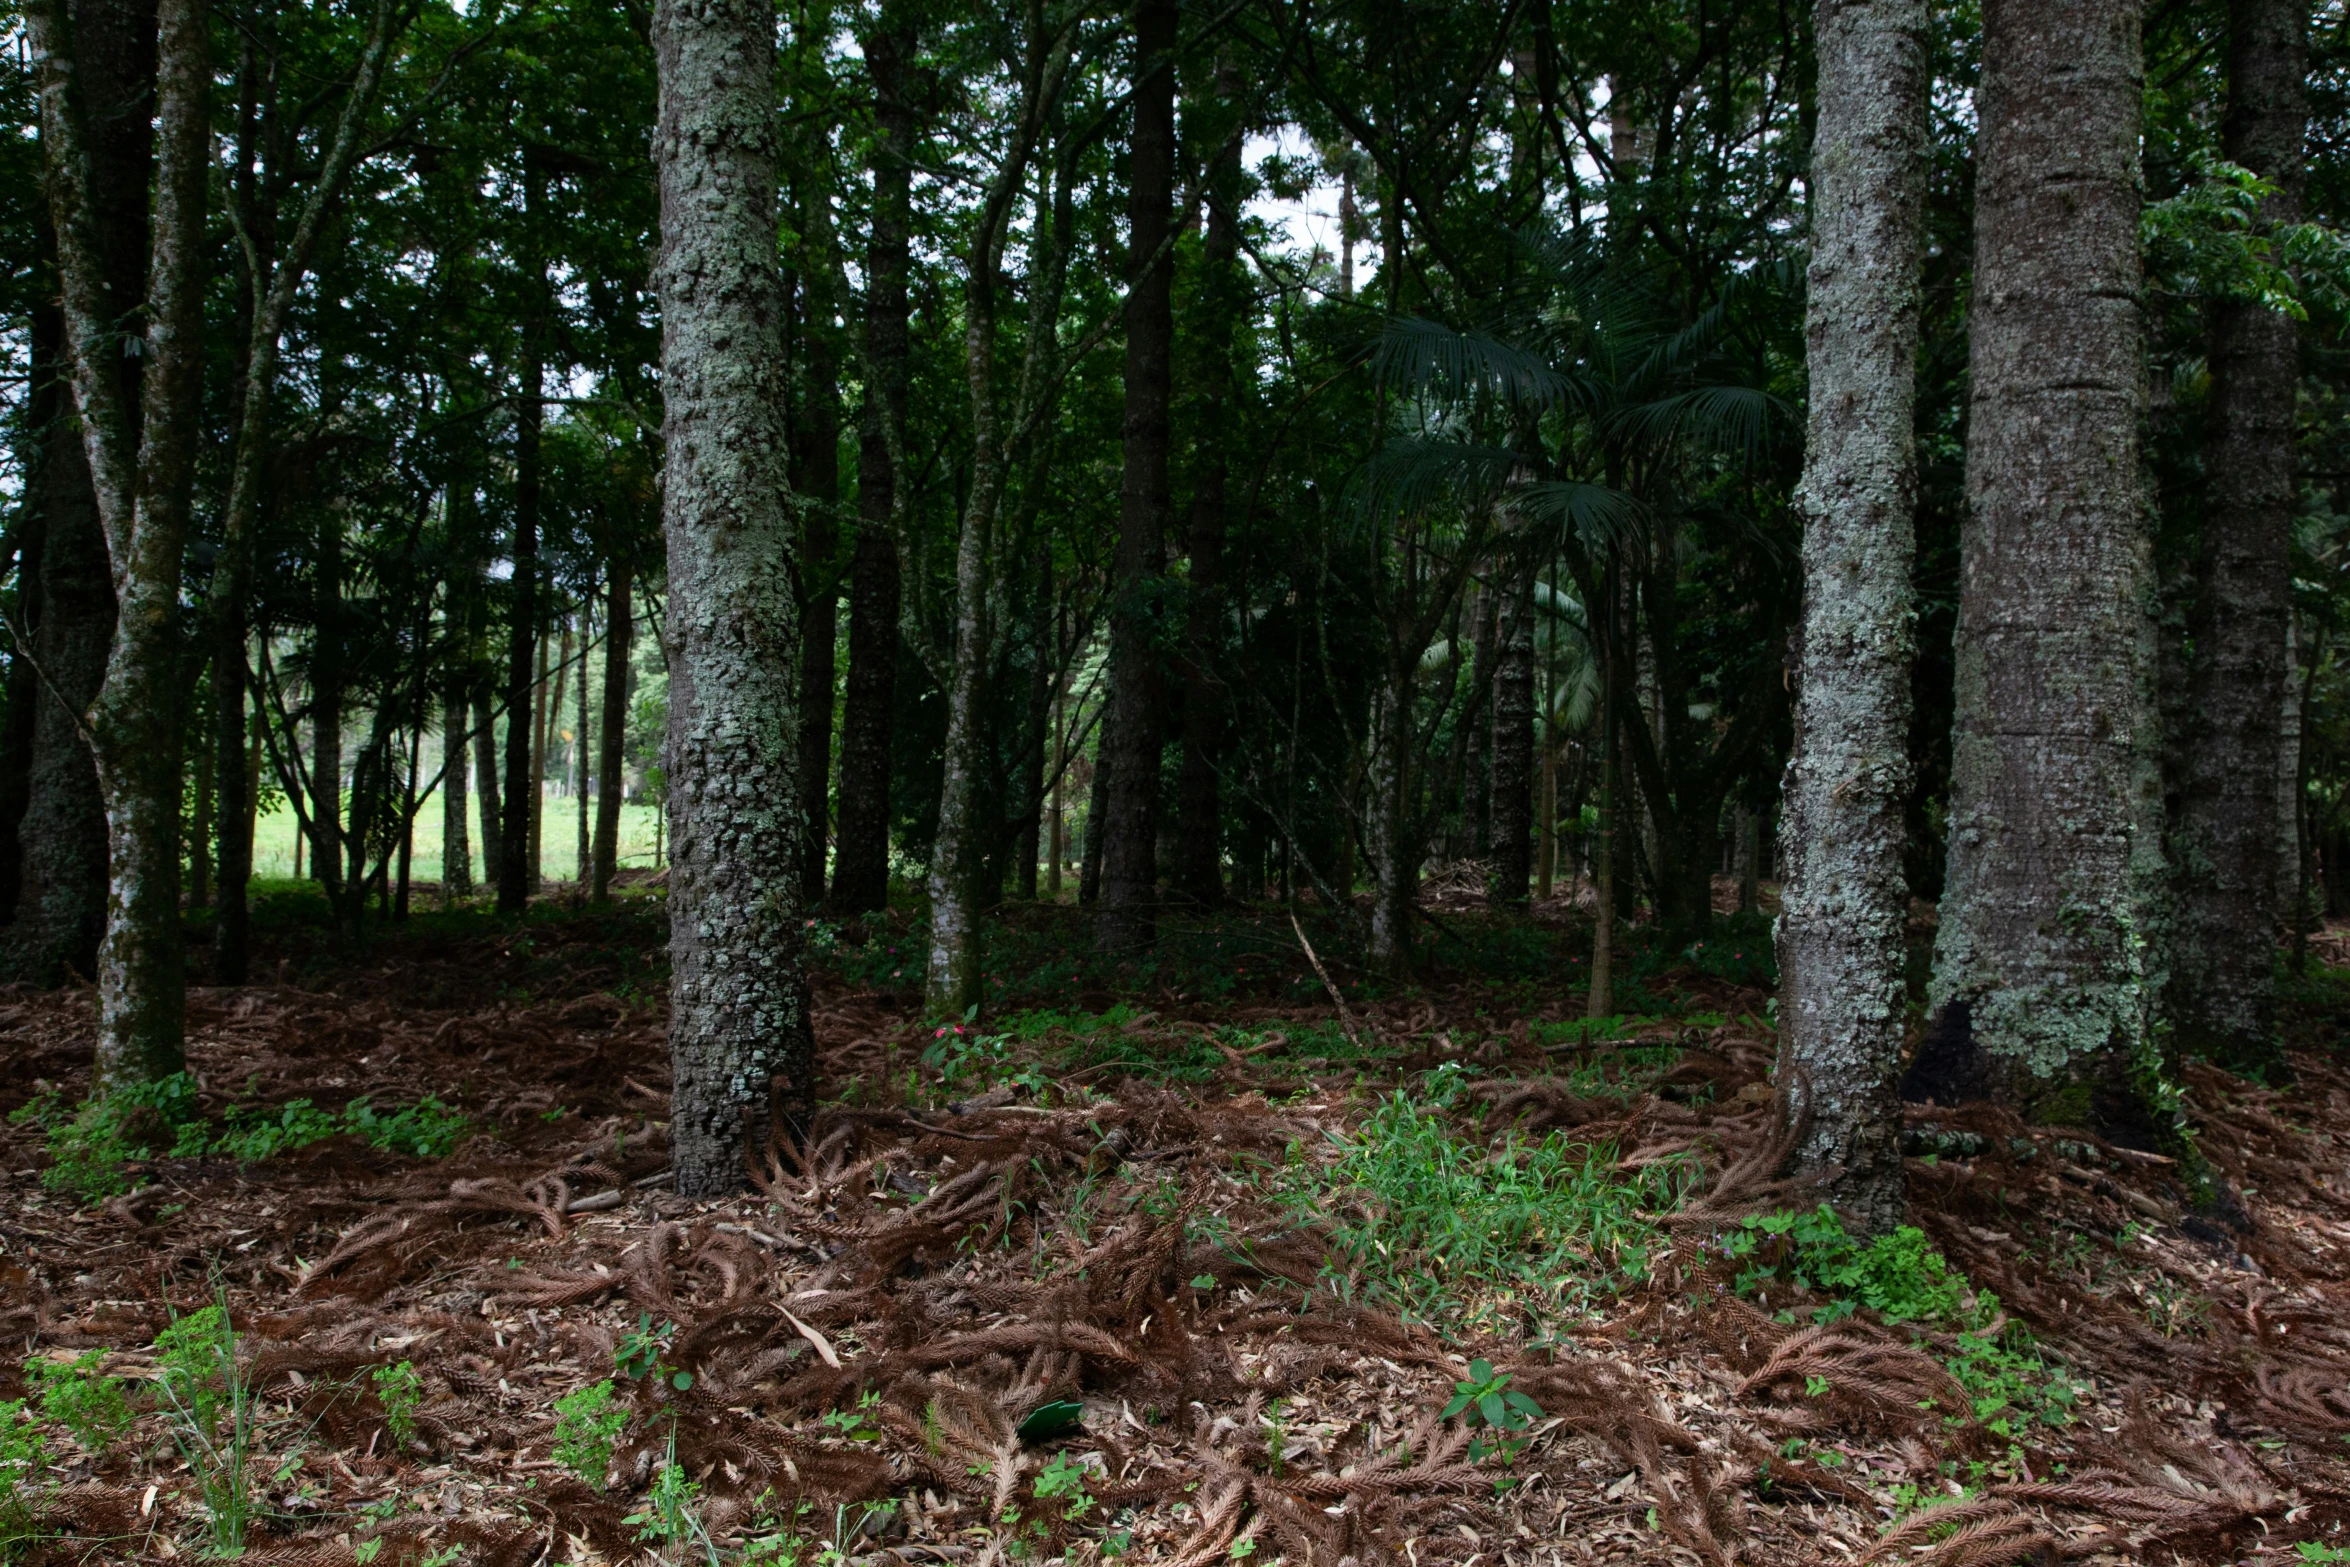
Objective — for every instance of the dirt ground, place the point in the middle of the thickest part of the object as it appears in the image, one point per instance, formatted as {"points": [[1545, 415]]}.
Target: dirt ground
{"points": [[879, 1323]]}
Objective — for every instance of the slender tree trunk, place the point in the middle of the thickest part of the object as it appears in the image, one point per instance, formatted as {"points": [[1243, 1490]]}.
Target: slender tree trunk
{"points": [[2222, 993], [619, 623], [200, 831], [2042, 953], [540, 734], [1393, 846], [1199, 867], [518, 861], [816, 479], [1546, 848], [1513, 749], [583, 852], [1129, 897], [1034, 761], [1059, 849], [456, 834], [860, 870], [739, 992], [1749, 859], [326, 715], [142, 455], [1477, 728], [408, 809], [1097, 806], [24, 694], [1842, 1002], [485, 785]]}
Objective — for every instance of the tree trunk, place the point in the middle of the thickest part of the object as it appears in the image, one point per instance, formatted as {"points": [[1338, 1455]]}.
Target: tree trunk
{"points": [[485, 786], [583, 851], [456, 834], [142, 455], [326, 716], [2222, 992], [1097, 807], [1199, 868], [619, 623], [1393, 847], [24, 694], [2041, 956], [1513, 749], [1841, 998], [739, 988], [860, 868], [1600, 999], [816, 479], [1477, 729], [200, 831], [518, 861], [539, 731], [1129, 898], [1034, 760]]}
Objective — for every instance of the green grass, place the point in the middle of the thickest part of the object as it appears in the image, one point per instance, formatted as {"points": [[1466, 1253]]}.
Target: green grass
{"points": [[1463, 1228], [274, 834]]}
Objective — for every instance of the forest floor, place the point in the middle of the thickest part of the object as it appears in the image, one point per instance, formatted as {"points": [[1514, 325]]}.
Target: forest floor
{"points": [[1176, 1261]]}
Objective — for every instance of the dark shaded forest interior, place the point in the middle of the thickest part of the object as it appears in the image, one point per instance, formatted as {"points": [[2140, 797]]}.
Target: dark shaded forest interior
{"points": [[874, 782]]}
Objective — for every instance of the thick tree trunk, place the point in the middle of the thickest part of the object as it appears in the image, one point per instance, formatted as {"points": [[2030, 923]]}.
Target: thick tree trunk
{"points": [[1841, 998], [142, 454], [2225, 848], [739, 992], [456, 827], [2041, 957], [1130, 893], [860, 869], [619, 623], [816, 479], [1513, 749]]}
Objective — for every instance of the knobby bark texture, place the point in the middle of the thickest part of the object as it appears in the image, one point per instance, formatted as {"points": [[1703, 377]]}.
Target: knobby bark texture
{"points": [[1513, 746], [612, 759], [2227, 836], [739, 996], [860, 867], [2043, 975], [1845, 901], [1130, 893], [142, 457]]}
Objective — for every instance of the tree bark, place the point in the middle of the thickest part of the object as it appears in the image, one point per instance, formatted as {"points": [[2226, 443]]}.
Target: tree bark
{"points": [[326, 716], [816, 480], [142, 454], [583, 849], [1477, 729], [860, 870], [2227, 835], [739, 989], [1129, 897], [1841, 998], [2041, 957], [619, 624], [1387, 791], [519, 862], [456, 831], [1513, 748], [538, 760], [485, 786]]}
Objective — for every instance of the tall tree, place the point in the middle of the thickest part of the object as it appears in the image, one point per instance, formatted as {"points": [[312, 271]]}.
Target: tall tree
{"points": [[518, 863], [2042, 955], [142, 455], [816, 481], [1845, 901], [1129, 896], [2225, 846], [619, 626], [739, 988], [1513, 744], [860, 870]]}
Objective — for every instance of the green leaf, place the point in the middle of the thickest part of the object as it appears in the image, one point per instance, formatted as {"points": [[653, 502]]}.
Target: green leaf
{"points": [[1051, 1419], [1489, 1405], [681, 1380]]}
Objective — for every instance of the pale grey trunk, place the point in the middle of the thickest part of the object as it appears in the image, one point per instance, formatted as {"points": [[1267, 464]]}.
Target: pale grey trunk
{"points": [[1843, 908], [739, 990], [1393, 847], [2055, 853], [2222, 994]]}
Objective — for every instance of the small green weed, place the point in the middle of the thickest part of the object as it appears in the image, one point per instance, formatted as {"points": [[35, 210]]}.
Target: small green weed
{"points": [[78, 1396], [672, 1515], [1485, 1396], [89, 1147], [587, 1424], [24, 1475], [399, 1389], [1481, 1228], [214, 1421], [253, 1135], [427, 1129], [2313, 1551]]}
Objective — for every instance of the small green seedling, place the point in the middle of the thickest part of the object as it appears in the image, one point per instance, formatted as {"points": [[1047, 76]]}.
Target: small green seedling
{"points": [[857, 1424], [1487, 1396], [1063, 1480], [78, 1396], [642, 1354], [587, 1424], [399, 1389]]}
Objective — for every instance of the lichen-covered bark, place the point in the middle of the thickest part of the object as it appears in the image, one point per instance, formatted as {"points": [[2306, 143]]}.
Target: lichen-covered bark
{"points": [[2055, 855], [1130, 893], [1513, 745], [738, 991], [860, 864], [142, 464], [1845, 901], [2221, 998]]}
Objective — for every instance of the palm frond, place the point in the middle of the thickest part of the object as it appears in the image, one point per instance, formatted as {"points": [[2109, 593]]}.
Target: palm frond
{"points": [[1416, 474], [1427, 358], [1730, 419], [1593, 514]]}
